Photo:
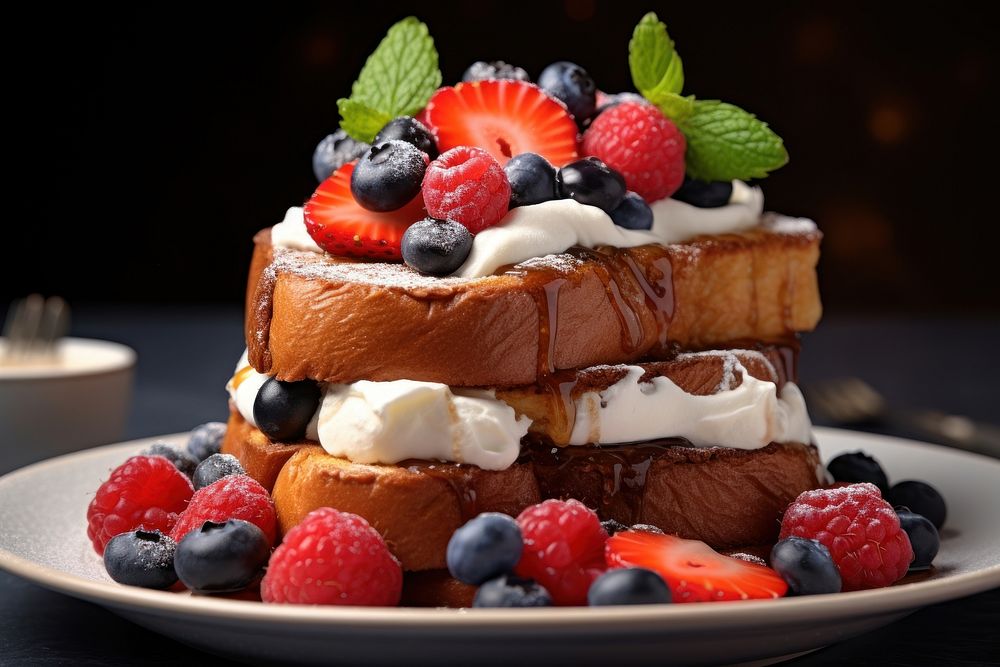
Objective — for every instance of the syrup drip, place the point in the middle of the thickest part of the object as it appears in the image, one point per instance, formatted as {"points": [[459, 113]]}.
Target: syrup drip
{"points": [[658, 290], [457, 477]]}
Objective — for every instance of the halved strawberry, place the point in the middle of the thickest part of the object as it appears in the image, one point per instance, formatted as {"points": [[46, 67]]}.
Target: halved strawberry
{"points": [[694, 572], [341, 226], [505, 118]]}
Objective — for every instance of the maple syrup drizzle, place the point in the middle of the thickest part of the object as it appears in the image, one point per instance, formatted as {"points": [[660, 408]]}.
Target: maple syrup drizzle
{"points": [[659, 291], [457, 477]]}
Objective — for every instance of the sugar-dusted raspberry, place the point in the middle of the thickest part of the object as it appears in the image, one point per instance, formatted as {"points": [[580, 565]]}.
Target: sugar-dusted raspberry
{"points": [[467, 185], [563, 549], [333, 558], [860, 529], [145, 491], [642, 144], [233, 497]]}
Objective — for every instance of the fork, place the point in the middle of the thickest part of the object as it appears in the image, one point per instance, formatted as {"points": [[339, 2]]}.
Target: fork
{"points": [[851, 401], [33, 327]]}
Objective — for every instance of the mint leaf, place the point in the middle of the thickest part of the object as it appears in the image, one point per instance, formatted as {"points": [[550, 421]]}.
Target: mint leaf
{"points": [[397, 80], [656, 67], [725, 142], [675, 107], [359, 120]]}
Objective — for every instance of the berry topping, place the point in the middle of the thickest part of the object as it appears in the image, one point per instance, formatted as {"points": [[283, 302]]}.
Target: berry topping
{"points": [[467, 185], [334, 151], [632, 585], [512, 591], [749, 558], [436, 247], [590, 181], [860, 529], [484, 548], [854, 467], [497, 69], [532, 179], [141, 558], [333, 558], [694, 572], [222, 557], [178, 457], [144, 492], [712, 194], [920, 498], [563, 549], [923, 537], [214, 468], [570, 83], [283, 410], [642, 144], [206, 440], [388, 176], [633, 213], [234, 497], [410, 130], [606, 101], [611, 526], [806, 565], [341, 226], [504, 117]]}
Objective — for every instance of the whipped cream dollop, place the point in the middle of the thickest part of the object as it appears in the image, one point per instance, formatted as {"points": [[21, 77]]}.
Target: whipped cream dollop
{"points": [[291, 232]]}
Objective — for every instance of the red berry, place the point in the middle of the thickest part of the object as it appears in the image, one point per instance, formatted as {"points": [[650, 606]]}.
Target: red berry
{"points": [[341, 226], [468, 186], [504, 117], [860, 529], [694, 572], [642, 144], [563, 549], [145, 491], [232, 497], [333, 558]]}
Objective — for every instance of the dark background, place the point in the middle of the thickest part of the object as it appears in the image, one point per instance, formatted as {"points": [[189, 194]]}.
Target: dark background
{"points": [[148, 145]]}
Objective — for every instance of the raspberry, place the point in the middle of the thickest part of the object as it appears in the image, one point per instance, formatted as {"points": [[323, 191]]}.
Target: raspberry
{"points": [[467, 185], [333, 558], [860, 529], [145, 491], [642, 144], [233, 497], [563, 549]]}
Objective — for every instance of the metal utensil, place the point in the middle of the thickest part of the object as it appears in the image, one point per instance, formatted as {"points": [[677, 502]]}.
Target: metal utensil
{"points": [[33, 327]]}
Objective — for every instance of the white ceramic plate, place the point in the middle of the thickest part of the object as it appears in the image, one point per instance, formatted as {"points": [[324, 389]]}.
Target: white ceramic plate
{"points": [[43, 539]]}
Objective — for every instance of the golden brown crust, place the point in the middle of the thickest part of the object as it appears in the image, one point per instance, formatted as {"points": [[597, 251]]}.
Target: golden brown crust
{"points": [[314, 316]]}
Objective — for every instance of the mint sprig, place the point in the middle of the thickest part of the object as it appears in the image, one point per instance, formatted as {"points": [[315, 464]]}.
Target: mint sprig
{"points": [[397, 80], [724, 142]]}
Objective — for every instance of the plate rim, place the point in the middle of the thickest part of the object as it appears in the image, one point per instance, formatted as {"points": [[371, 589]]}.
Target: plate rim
{"points": [[743, 613]]}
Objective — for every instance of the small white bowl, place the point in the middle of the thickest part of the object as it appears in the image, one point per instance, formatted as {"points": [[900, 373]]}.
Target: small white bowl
{"points": [[79, 398]]}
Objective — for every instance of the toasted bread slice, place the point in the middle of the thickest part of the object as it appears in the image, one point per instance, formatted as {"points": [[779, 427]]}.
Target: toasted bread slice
{"points": [[331, 319]]}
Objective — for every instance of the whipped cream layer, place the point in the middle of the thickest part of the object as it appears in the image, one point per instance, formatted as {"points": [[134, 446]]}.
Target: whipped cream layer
{"points": [[555, 226]]}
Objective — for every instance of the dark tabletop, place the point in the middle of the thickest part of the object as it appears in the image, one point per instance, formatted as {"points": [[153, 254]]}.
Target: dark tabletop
{"points": [[187, 354]]}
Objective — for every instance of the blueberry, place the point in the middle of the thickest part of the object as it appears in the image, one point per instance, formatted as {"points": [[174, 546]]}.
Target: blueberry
{"points": [[436, 247], [854, 467], [532, 179], [590, 181], [634, 585], [511, 591], [484, 548], [570, 83], [920, 498], [704, 194], [214, 468], [618, 98], [388, 176], [334, 151], [282, 410], [923, 538], [497, 69], [221, 557], [410, 130], [633, 213], [806, 566], [141, 558], [206, 440], [646, 528], [611, 527], [180, 458]]}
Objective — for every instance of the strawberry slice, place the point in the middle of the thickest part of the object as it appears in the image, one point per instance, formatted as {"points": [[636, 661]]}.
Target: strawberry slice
{"points": [[503, 117], [694, 572], [341, 226]]}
